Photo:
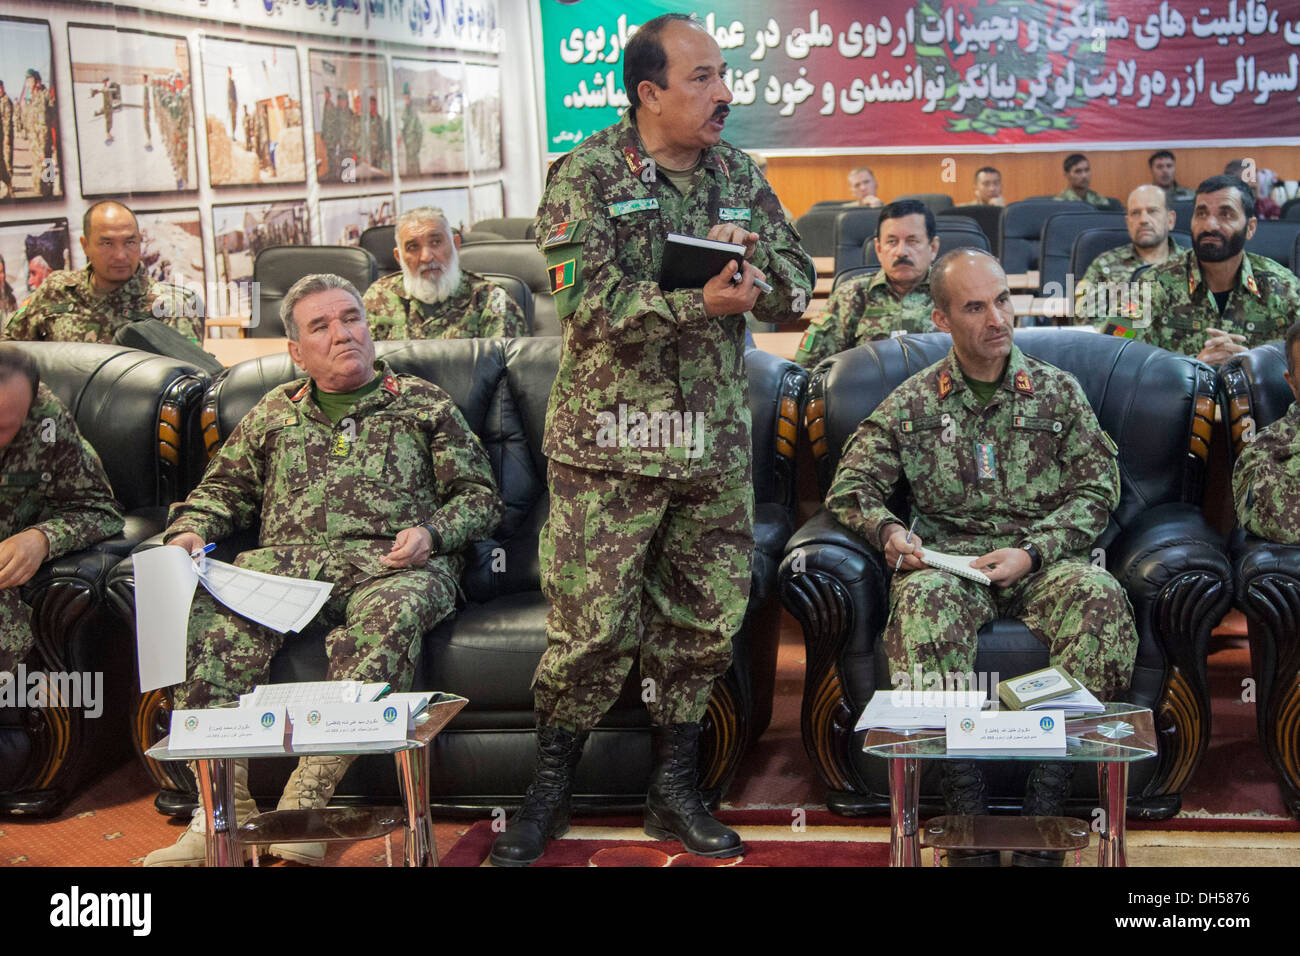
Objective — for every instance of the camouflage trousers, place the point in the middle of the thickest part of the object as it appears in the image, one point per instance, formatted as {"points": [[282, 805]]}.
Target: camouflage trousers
{"points": [[643, 566], [1077, 609], [373, 629], [16, 638]]}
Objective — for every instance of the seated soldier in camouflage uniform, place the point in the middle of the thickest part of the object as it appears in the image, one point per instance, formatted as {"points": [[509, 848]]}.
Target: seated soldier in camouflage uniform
{"points": [[432, 297], [1078, 172], [1266, 479], [1004, 460], [1217, 300], [894, 301], [370, 480], [114, 290], [1107, 289], [54, 495]]}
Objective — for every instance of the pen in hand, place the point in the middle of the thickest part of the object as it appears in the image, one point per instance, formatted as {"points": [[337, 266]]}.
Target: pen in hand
{"points": [[898, 564], [736, 279], [203, 551]]}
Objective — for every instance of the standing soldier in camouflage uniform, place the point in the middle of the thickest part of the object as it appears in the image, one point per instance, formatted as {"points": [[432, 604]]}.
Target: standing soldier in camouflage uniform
{"points": [[1266, 479], [1105, 291], [1078, 171], [647, 547], [54, 495], [232, 101], [93, 304], [109, 92], [147, 109], [378, 135], [1217, 300], [6, 144], [894, 301], [432, 297], [412, 134], [1006, 462], [40, 140], [369, 480]]}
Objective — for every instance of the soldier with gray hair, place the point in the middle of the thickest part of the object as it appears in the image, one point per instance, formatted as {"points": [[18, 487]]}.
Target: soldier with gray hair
{"points": [[355, 475], [432, 297]]}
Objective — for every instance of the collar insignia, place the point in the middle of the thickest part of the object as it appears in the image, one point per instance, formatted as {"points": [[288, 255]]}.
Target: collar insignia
{"points": [[1022, 382], [945, 383]]}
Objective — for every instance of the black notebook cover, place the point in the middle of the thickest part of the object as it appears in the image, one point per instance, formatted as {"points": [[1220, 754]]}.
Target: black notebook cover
{"points": [[689, 262]]}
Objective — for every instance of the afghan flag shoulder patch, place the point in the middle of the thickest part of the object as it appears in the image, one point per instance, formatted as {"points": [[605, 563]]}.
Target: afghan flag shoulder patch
{"points": [[564, 275]]}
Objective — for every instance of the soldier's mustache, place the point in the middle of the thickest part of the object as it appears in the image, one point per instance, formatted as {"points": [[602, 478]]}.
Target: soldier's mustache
{"points": [[721, 112], [903, 261]]}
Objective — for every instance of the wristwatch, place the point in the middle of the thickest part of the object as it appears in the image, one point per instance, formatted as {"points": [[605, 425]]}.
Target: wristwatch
{"points": [[436, 539], [1034, 557]]}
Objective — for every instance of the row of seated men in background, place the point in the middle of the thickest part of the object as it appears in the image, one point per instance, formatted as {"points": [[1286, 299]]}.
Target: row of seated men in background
{"points": [[431, 297], [1211, 301], [1078, 188]]}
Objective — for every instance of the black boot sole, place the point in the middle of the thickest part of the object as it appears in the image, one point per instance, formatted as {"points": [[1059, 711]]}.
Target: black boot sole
{"points": [[659, 832], [495, 861]]}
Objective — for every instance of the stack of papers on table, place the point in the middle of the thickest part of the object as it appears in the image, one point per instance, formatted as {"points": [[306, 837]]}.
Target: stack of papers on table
{"points": [[917, 709]]}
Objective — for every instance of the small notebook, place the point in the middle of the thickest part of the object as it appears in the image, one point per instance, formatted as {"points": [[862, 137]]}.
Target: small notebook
{"points": [[690, 261], [955, 564]]}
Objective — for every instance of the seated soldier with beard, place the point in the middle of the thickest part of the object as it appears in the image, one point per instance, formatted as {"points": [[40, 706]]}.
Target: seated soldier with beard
{"points": [[432, 298]]}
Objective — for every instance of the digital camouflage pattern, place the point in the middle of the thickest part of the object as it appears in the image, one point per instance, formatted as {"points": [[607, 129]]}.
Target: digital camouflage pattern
{"points": [[1114, 267], [861, 310], [329, 509], [52, 480], [1266, 481], [1091, 198], [67, 308], [603, 228], [478, 309], [1032, 467], [640, 568], [1261, 306]]}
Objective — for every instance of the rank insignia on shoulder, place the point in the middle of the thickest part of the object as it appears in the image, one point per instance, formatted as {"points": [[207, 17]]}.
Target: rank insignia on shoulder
{"points": [[340, 446], [302, 392], [1251, 285], [945, 383], [633, 159], [390, 385], [562, 233], [563, 275], [1022, 382]]}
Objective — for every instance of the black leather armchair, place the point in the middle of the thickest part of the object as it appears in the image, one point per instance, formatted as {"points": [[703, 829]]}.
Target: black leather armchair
{"points": [[523, 259], [134, 408], [277, 268], [1253, 395], [1159, 408], [489, 649]]}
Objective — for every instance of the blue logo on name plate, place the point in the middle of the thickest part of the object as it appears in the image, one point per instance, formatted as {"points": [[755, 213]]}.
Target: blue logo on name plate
{"points": [[268, 719], [1047, 724], [390, 714]]}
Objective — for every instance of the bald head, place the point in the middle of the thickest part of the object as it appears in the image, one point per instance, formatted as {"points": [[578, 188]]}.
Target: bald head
{"points": [[1148, 217], [957, 263], [111, 241]]}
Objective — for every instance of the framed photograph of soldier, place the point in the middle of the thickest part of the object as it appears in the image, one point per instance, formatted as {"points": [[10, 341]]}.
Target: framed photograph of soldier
{"points": [[342, 221], [253, 99], [239, 232], [133, 101], [488, 201], [453, 202], [30, 251], [30, 164], [483, 115], [352, 114], [171, 246], [430, 117]]}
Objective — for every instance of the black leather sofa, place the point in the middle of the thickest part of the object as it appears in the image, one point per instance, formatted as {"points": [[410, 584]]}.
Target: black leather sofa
{"points": [[134, 409], [1253, 395], [1158, 406], [490, 648]]}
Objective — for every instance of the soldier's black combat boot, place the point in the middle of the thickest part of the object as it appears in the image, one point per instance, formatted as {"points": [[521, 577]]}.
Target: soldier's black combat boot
{"points": [[963, 795], [545, 812], [1049, 785], [674, 807]]}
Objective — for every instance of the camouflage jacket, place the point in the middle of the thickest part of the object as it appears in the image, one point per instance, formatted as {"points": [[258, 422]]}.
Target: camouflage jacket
{"points": [[1092, 198], [402, 456], [1033, 466], [865, 309], [1261, 306], [632, 351], [478, 309], [51, 479], [1114, 271], [67, 308], [1266, 481]]}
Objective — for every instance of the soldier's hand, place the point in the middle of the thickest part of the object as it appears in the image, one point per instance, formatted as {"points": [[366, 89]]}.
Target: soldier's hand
{"points": [[724, 297], [1005, 566], [411, 549], [896, 544], [188, 540], [729, 232], [1221, 346], [21, 555]]}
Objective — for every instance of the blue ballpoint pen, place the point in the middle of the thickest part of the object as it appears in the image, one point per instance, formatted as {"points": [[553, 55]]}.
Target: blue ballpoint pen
{"points": [[899, 563]]}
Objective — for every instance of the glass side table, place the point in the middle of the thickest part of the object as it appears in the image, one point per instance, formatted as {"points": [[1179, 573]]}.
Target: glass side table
{"points": [[216, 782], [1112, 740]]}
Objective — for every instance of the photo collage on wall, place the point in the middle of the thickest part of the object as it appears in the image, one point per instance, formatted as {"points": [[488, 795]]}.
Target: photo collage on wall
{"points": [[30, 251], [242, 230], [352, 116], [30, 163]]}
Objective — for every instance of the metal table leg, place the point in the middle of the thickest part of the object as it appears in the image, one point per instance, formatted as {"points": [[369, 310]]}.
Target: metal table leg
{"points": [[904, 826], [217, 790], [413, 772], [1112, 789]]}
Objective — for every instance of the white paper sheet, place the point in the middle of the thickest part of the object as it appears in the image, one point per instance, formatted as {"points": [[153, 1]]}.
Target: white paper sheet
{"points": [[164, 588], [280, 603]]}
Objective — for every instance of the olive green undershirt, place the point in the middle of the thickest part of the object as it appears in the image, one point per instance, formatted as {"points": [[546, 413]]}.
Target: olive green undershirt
{"points": [[681, 178], [337, 404], [984, 391]]}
